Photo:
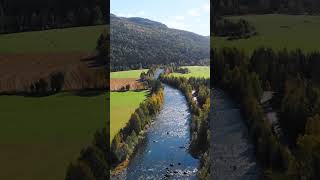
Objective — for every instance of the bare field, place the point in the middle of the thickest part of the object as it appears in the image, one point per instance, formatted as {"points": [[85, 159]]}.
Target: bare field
{"points": [[17, 71], [117, 84]]}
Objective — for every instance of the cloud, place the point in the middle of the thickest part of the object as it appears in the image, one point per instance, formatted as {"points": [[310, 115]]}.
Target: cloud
{"points": [[206, 7], [133, 14], [178, 18], [141, 13], [176, 23], [193, 12]]}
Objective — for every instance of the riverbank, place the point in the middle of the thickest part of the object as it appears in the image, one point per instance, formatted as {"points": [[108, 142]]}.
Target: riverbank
{"points": [[125, 141]]}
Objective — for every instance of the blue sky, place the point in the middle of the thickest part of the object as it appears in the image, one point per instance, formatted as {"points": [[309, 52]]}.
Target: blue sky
{"points": [[190, 15]]}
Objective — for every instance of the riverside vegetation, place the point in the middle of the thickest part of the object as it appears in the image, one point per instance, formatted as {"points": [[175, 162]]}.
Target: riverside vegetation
{"points": [[294, 76], [125, 141], [275, 60]]}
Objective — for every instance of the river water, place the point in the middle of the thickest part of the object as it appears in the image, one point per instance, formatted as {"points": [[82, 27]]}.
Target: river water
{"points": [[232, 152], [163, 153]]}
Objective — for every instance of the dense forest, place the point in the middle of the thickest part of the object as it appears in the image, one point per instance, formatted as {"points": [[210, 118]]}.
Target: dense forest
{"points": [[236, 7], [199, 89], [140, 43], [294, 76], [19, 15]]}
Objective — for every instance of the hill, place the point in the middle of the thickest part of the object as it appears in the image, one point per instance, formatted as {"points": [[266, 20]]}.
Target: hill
{"points": [[138, 42]]}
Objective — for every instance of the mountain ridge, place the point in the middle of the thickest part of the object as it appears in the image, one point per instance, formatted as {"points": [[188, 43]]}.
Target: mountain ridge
{"points": [[139, 42]]}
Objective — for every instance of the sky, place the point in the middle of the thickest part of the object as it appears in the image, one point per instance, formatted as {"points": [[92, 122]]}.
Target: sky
{"points": [[189, 15]]}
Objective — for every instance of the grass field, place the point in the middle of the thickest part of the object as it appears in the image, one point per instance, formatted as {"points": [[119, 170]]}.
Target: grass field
{"points": [[28, 56], [195, 71], [78, 39], [278, 31], [127, 74], [39, 137], [122, 105]]}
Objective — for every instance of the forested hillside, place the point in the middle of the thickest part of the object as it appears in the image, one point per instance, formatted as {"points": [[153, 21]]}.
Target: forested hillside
{"points": [[19, 15], [138, 42]]}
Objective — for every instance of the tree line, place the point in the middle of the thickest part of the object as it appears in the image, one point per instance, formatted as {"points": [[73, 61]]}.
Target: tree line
{"points": [[19, 16], [233, 29], [294, 76], [233, 7], [93, 162], [149, 74], [199, 126], [90, 77], [43, 87]]}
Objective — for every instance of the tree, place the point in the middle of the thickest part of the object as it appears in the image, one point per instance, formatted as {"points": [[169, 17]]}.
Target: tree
{"points": [[57, 82], [103, 49], [135, 122], [96, 160], [79, 170], [85, 16], [2, 19], [313, 126], [41, 87], [71, 17], [97, 15], [128, 87], [34, 21]]}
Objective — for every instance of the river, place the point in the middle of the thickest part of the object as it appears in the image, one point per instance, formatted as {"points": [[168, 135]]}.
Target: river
{"points": [[232, 152], [163, 152]]}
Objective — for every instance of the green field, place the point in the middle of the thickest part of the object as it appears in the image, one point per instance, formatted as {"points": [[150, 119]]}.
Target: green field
{"points": [[127, 74], [39, 137], [79, 39], [278, 31], [122, 105], [195, 71]]}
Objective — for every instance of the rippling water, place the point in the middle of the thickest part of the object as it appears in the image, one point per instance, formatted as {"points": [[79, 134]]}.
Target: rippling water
{"points": [[163, 153], [232, 152]]}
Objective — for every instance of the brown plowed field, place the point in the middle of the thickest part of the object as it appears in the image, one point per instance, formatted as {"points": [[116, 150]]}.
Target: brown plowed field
{"points": [[18, 71], [117, 84]]}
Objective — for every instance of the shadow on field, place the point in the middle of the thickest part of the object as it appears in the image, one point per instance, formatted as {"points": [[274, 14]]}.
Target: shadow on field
{"points": [[89, 93], [26, 94], [82, 93], [93, 61]]}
